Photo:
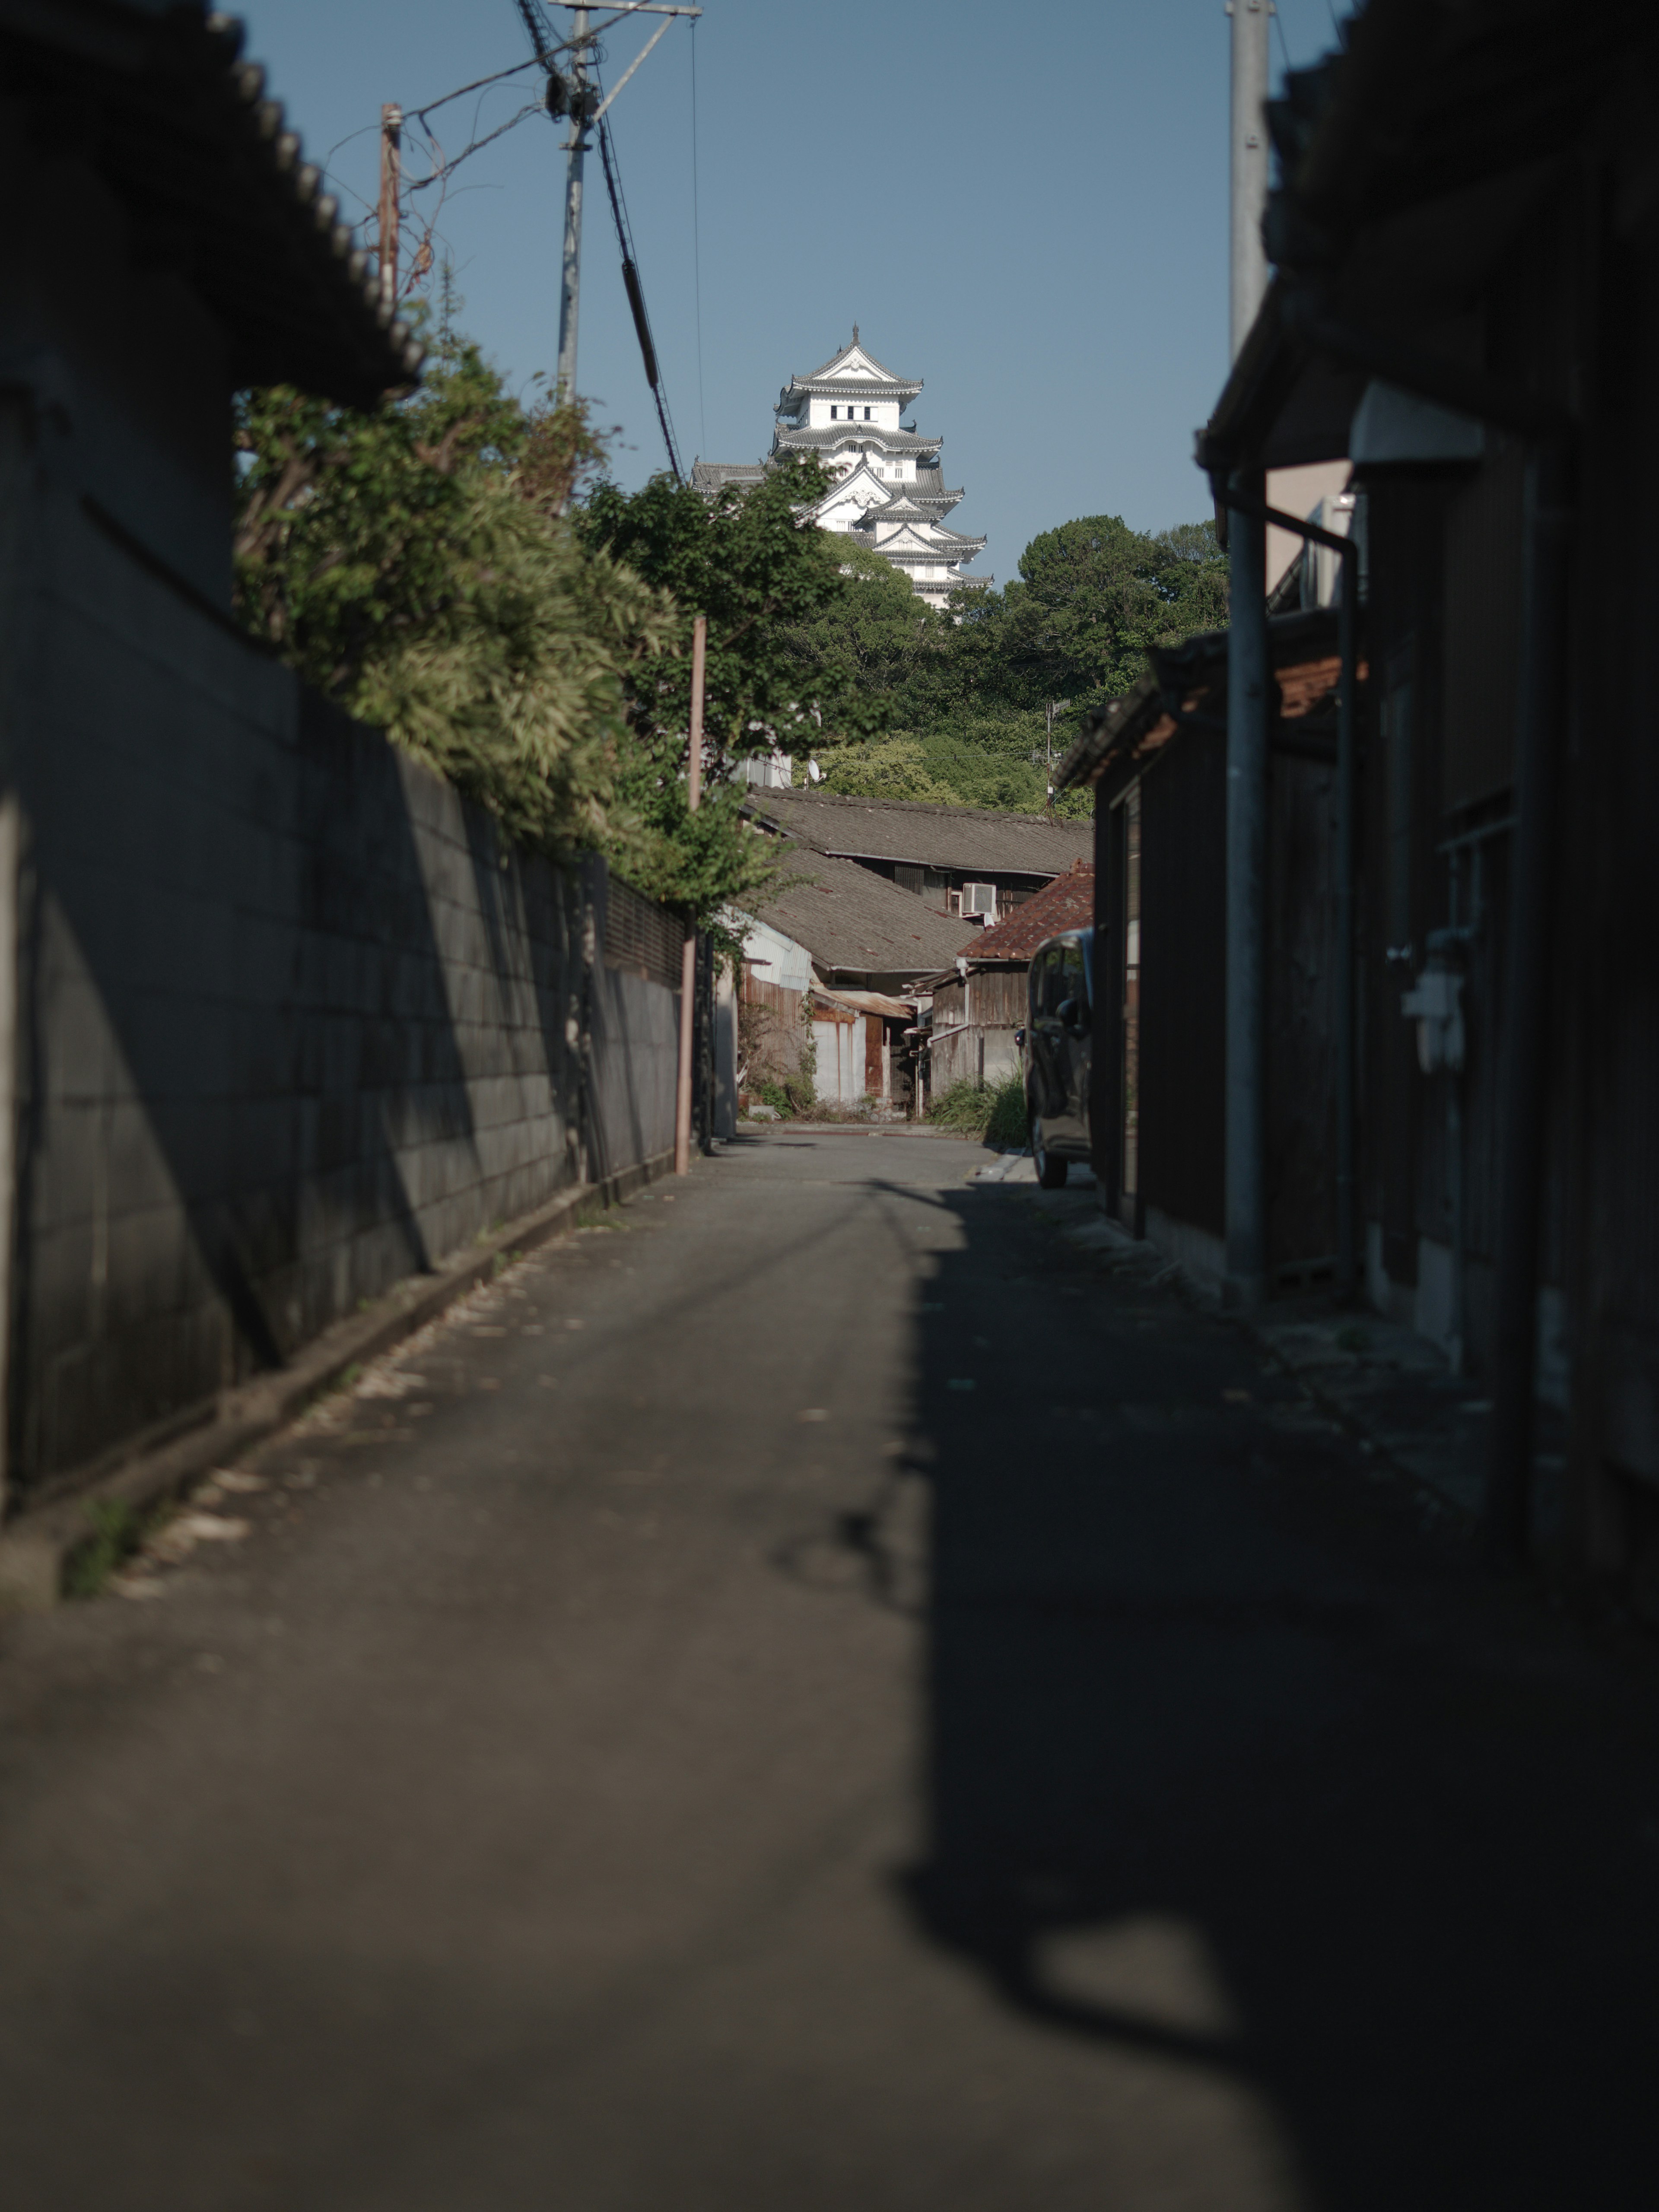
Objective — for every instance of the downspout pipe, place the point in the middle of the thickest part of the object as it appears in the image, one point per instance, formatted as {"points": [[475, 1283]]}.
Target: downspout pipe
{"points": [[1347, 1220]]}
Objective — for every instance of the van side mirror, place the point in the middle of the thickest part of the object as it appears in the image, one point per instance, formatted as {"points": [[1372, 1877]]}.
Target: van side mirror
{"points": [[1066, 1013], [1019, 1040]]}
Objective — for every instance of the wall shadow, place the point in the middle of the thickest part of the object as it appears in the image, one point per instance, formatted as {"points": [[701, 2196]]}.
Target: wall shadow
{"points": [[1227, 1765]]}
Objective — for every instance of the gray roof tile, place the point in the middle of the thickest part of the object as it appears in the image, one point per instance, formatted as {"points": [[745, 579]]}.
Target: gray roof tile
{"points": [[854, 923], [960, 838]]}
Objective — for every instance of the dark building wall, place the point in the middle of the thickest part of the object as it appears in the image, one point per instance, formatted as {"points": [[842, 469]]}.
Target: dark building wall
{"points": [[1607, 983], [1182, 1004], [288, 1020], [122, 370]]}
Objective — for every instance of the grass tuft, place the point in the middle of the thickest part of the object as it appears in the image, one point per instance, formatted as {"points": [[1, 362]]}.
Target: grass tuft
{"points": [[993, 1111], [118, 1530]]}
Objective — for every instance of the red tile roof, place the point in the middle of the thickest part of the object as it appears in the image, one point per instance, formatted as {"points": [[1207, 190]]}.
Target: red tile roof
{"points": [[1068, 903]]}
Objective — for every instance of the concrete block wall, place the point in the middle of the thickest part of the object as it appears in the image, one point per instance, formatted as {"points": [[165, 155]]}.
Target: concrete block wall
{"points": [[291, 1022]]}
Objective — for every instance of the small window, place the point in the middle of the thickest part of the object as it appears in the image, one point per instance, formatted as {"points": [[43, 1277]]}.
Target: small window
{"points": [[832, 415], [867, 414]]}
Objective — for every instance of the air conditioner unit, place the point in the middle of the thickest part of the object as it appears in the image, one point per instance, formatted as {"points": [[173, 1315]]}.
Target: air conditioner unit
{"points": [[979, 899]]}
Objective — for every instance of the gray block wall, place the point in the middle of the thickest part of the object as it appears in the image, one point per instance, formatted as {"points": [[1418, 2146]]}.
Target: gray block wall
{"points": [[291, 1022]]}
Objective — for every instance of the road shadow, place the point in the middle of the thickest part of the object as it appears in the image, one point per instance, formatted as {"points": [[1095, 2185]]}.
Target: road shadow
{"points": [[1230, 1765]]}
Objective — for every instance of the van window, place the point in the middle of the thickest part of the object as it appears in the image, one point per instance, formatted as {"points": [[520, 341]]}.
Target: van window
{"points": [[1073, 983]]}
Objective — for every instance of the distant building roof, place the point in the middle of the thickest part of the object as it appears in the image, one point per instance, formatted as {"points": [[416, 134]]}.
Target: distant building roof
{"points": [[1068, 903], [916, 833], [179, 126], [856, 923], [1191, 677], [714, 476]]}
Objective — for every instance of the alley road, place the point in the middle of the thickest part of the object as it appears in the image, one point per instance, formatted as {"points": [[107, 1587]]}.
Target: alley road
{"points": [[823, 1696]]}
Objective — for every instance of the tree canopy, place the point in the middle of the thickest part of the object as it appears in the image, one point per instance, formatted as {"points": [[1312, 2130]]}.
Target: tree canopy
{"points": [[457, 567], [965, 696]]}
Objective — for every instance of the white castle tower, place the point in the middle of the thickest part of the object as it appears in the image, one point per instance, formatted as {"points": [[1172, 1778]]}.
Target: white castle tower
{"points": [[889, 492]]}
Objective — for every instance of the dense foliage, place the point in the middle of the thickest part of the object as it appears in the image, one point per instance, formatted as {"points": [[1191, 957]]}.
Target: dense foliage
{"points": [[455, 568], [965, 699], [745, 561], [413, 563]]}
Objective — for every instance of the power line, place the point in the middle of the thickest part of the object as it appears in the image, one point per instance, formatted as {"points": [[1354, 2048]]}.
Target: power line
{"points": [[636, 296]]}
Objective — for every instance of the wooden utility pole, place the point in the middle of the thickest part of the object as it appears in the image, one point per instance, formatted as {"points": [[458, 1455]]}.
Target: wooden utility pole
{"points": [[688, 953], [392, 177]]}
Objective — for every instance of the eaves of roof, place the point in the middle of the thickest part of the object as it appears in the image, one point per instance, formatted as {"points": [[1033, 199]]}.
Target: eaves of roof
{"points": [[1188, 683], [181, 130], [827, 368], [1414, 161], [853, 434]]}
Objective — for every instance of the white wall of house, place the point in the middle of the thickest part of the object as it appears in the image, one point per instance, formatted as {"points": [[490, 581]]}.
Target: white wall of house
{"points": [[776, 958], [839, 1075], [884, 413]]}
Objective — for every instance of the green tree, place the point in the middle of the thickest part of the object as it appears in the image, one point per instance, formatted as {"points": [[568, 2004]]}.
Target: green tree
{"points": [[762, 579], [874, 638], [1093, 595], [414, 563]]}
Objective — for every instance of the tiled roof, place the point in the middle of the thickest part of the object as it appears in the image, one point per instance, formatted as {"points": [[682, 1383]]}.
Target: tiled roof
{"points": [[829, 368], [1068, 903], [212, 180], [1194, 677], [713, 475], [856, 923], [842, 433], [919, 835]]}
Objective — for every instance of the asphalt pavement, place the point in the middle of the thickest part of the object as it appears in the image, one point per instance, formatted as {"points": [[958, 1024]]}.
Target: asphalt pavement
{"points": [[819, 1695]]}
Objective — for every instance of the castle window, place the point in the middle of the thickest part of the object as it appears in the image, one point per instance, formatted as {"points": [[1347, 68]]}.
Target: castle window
{"points": [[832, 415], [867, 414]]}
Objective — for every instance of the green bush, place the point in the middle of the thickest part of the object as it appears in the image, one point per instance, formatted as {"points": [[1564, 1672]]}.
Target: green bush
{"points": [[995, 1111], [1006, 1122]]}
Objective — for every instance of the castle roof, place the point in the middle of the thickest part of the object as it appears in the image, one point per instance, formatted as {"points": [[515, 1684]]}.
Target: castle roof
{"points": [[714, 476], [852, 369], [831, 434]]}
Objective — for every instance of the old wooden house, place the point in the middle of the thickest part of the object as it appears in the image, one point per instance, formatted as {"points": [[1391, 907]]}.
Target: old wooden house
{"points": [[1157, 763], [1465, 309], [979, 1002]]}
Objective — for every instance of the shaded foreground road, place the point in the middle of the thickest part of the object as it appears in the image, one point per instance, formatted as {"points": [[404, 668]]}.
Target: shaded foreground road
{"points": [[823, 1696]]}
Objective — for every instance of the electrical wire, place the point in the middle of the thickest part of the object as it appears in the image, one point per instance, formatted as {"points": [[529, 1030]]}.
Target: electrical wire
{"points": [[1284, 43], [696, 244], [636, 294], [447, 168]]}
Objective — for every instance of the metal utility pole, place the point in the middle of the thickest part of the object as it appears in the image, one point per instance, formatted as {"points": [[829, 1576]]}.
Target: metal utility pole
{"points": [[1052, 707], [577, 97], [570, 296], [1249, 162], [689, 953], [392, 177], [1249, 678]]}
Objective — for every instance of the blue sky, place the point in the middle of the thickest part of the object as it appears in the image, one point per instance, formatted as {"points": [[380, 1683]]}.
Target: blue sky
{"points": [[1025, 206]]}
